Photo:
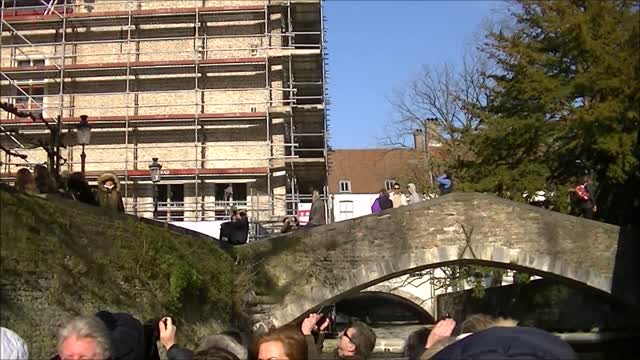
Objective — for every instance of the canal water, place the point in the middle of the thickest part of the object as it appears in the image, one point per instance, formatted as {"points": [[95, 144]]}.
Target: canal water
{"points": [[391, 338]]}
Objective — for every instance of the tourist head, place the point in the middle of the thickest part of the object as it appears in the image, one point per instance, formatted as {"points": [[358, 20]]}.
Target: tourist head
{"points": [[396, 188], [282, 344], [41, 171], [84, 338], [416, 343], [357, 339], [479, 322], [109, 184], [215, 353], [226, 343], [25, 182]]}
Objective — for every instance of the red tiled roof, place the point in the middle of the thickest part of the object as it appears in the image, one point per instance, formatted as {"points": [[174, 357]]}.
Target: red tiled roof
{"points": [[367, 169]]}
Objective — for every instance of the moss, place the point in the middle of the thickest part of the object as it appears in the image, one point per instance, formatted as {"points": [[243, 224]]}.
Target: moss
{"points": [[61, 259]]}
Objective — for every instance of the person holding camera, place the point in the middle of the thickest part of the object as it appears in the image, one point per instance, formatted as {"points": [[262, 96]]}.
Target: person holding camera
{"points": [[357, 341], [168, 341]]}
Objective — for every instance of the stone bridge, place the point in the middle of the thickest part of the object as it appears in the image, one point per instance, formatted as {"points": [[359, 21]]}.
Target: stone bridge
{"points": [[302, 270]]}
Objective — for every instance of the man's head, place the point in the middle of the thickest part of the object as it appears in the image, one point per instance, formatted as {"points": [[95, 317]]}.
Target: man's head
{"points": [[84, 338], [396, 188], [357, 339]]}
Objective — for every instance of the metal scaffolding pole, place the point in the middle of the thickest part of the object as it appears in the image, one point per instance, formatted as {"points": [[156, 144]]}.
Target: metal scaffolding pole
{"points": [[196, 109], [127, 97]]}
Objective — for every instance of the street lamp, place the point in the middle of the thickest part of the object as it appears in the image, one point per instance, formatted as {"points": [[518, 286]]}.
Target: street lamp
{"points": [[84, 137], [154, 171]]}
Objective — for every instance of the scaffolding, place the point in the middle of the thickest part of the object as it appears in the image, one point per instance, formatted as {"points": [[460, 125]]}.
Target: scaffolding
{"points": [[249, 67]]}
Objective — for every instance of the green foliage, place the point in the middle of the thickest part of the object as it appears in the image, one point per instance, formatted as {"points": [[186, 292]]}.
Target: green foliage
{"points": [[61, 258], [521, 278], [457, 276], [566, 89]]}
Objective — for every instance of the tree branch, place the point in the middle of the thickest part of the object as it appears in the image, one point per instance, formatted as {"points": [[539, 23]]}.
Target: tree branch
{"points": [[11, 153]]}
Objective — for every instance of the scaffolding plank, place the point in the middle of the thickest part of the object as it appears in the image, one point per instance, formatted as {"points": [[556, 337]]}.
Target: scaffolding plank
{"points": [[171, 172], [146, 118], [149, 16], [137, 68]]}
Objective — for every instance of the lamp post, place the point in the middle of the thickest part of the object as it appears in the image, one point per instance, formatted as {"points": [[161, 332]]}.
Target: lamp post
{"points": [[84, 137], [154, 171]]}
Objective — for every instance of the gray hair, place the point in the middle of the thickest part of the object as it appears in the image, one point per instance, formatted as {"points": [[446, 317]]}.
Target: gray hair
{"points": [[88, 327], [224, 342]]}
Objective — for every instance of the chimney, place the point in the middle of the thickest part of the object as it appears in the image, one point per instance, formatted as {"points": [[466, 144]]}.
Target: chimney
{"points": [[418, 140]]}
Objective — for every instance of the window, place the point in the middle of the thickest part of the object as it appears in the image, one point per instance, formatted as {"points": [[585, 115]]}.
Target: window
{"points": [[34, 100], [231, 192], [344, 185], [171, 196], [23, 63], [388, 184], [346, 209], [28, 63]]}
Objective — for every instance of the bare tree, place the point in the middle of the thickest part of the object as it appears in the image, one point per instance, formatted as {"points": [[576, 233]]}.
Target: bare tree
{"points": [[51, 147], [442, 101], [445, 94]]}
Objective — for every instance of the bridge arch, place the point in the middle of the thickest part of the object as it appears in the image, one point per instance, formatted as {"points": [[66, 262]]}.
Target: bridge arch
{"points": [[409, 302], [312, 267]]}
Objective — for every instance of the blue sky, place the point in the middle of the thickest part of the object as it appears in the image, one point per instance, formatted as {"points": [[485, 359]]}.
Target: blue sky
{"points": [[376, 46]]}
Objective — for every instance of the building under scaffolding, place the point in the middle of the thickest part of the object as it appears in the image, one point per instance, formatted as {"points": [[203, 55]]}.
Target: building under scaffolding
{"points": [[228, 94]]}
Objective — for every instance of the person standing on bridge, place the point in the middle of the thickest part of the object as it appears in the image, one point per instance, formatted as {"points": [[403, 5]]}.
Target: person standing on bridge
{"points": [[397, 197], [445, 184], [414, 197], [382, 202], [108, 192], [317, 213], [584, 199]]}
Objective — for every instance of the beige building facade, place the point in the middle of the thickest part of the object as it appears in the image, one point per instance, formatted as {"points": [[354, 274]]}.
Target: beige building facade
{"points": [[227, 94]]}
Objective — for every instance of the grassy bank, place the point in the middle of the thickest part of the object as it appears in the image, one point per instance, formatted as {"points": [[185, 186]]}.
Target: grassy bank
{"points": [[60, 259]]}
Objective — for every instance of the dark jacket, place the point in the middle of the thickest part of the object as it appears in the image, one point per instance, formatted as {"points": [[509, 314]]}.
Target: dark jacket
{"points": [[385, 202], [239, 231], [79, 190], [179, 353], [109, 198], [504, 343], [127, 335]]}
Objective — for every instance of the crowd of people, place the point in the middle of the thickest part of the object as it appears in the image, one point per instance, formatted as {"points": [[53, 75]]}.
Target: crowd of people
{"points": [[120, 336], [396, 198], [72, 186]]}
